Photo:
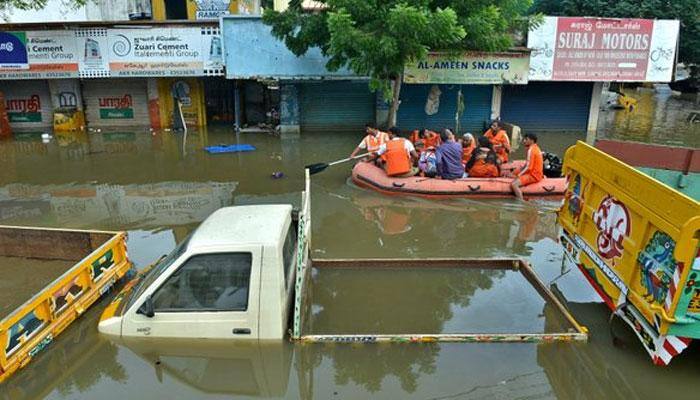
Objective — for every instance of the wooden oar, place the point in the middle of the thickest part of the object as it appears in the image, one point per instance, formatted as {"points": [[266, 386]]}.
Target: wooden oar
{"points": [[318, 167]]}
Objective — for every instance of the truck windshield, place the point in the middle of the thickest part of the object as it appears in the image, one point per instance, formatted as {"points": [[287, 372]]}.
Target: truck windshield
{"points": [[155, 272]]}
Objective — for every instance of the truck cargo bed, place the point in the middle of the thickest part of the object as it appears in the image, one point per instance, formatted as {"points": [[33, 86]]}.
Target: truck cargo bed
{"points": [[48, 278], [23, 277]]}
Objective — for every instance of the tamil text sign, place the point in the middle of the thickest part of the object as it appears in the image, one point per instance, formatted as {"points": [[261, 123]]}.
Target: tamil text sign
{"points": [[598, 49], [469, 68]]}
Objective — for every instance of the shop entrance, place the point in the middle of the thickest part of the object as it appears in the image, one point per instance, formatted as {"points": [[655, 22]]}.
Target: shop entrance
{"points": [[259, 102]]}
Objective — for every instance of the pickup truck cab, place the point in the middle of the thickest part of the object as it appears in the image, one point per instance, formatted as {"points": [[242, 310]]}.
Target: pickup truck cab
{"points": [[232, 278]]}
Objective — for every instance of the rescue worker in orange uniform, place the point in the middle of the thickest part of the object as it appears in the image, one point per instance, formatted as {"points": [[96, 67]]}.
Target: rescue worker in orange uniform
{"points": [[499, 139], [399, 155], [468, 146], [372, 141], [533, 171], [484, 161], [425, 136]]}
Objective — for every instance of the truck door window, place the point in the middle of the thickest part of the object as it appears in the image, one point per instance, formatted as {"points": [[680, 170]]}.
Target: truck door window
{"points": [[290, 244], [207, 282]]}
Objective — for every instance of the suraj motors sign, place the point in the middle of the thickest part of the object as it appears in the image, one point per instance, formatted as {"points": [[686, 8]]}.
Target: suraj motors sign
{"points": [[597, 49]]}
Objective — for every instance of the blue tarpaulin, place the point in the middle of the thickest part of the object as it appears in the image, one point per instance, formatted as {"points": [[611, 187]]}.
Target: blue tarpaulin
{"points": [[229, 148]]}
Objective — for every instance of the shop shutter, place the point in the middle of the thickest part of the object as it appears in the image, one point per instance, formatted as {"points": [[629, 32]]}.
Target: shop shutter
{"points": [[547, 106], [116, 102], [28, 104], [336, 105], [477, 107]]}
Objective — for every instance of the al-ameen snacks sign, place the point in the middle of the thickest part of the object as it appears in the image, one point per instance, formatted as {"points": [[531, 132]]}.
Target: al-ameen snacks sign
{"points": [[602, 49], [469, 68]]}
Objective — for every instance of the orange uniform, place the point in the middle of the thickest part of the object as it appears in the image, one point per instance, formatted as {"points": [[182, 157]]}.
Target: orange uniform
{"points": [[372, 142], [499, 138], [467, 152], [482, 169], [534, 170], [431, 139], [398, 160]]}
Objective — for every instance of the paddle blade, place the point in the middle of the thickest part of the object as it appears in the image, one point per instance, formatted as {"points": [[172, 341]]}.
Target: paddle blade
{"points": [[316, 168]]}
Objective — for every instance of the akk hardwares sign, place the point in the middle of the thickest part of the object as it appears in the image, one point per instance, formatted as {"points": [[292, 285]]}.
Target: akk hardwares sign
{"points": [[163, 52], [51, 54], [600, 49], [469, 68]]}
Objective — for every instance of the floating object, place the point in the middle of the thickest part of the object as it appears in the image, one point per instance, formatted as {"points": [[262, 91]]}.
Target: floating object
{"points": [[370, 176], [45, 136], [229, 148], [277, 175]]}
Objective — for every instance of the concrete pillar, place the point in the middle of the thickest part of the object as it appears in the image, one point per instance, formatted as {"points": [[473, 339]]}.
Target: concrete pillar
{"points": [[237, 106], [496, 102], [381, 111], [593, 112], [289, 110], [65, 93]]}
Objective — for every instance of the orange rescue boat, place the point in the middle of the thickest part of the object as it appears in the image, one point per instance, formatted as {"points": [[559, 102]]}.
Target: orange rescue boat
{"points": [[368, 175]]}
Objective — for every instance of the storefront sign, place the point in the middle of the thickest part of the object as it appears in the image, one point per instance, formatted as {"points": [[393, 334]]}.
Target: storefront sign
{"points": [[597, 49], [24, 109], [116, 107], [91, 44], [51, 54], [162, 52], [13, 50], [212, 9], [470, 68]]}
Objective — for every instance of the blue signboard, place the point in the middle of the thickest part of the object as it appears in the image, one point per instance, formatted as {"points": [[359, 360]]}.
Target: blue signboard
{"points": [[13, 50], [252, 52]]}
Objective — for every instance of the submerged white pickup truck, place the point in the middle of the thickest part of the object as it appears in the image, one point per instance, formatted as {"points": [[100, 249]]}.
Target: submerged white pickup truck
{"points": [[233, 277], [241, 275]]}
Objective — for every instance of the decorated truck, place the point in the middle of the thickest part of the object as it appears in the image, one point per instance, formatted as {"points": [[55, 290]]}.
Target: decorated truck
{"points": [[636, 240], [49, 278]]}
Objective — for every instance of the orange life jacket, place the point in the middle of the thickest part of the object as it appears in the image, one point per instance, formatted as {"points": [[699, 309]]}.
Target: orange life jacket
{"points": [[482, 169], [398, 160], [535, 162], [432, 139], [499, 138], [467, 152]]}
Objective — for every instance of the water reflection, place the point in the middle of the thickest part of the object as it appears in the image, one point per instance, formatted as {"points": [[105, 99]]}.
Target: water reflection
{"points": [[71, 365], [660, 117], [219, 367]]}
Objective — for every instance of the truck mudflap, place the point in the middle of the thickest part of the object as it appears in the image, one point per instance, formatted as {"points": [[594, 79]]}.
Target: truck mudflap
{"points": [[636, 242], [33, 326]]}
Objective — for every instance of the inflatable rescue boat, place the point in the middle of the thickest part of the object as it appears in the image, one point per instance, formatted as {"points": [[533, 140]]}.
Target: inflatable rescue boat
{"points": [[370, 176]]}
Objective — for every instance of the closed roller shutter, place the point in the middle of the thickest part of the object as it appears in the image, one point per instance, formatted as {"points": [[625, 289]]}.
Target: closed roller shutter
{"points": [[336, 105], [28, 104], [477, 110], [547, 106], [116, 102]]}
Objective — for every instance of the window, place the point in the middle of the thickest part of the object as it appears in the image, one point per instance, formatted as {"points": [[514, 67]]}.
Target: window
{"points": [[290, 245], [176, 9], [207, 282]]}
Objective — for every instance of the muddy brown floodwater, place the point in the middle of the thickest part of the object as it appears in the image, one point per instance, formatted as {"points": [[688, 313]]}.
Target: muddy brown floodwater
{"points": [[158, 187]]}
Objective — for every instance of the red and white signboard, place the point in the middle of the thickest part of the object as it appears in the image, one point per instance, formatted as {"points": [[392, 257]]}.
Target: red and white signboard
{"points": [[602, 49]]}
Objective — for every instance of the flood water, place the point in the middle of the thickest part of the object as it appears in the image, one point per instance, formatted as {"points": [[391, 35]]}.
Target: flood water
{"points": [[159, 186]]}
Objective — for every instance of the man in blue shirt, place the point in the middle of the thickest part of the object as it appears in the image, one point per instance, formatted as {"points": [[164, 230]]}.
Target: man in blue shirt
{"points": [[449, 157]]}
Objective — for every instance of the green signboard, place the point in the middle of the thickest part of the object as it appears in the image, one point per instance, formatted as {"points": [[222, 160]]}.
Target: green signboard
{"points": [[24, 116], [470, 68], [116, 113]]}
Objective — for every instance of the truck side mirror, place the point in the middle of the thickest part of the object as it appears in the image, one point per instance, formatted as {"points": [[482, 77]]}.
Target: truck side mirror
{"points": [[146, 308]]}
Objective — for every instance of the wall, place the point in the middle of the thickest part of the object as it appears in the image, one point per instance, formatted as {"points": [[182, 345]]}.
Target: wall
{"points": [[251, 52]]}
